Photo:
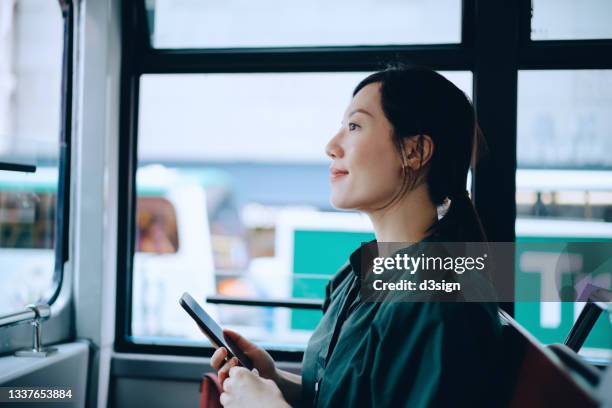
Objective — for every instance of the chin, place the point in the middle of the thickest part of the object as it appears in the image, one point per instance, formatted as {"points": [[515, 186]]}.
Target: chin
{"points": [[343, 203], [360, 203], [338, 203]]}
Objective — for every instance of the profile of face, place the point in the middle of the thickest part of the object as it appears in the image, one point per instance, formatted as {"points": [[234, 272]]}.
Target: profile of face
{"points": [[366, 169]]}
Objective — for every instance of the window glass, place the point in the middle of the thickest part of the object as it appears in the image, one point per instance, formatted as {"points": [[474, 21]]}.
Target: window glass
{"points": [[564, 120], [156, 222], [571, 20], [564, 183], [27, 219], [30, 74], [247, 176], [242, 23]]}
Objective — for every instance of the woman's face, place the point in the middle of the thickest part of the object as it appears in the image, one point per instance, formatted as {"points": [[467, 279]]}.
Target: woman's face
{"points": [[366, 169]]}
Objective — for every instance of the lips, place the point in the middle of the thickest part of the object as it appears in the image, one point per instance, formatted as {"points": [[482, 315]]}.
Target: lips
{"points": [[337, 173]]}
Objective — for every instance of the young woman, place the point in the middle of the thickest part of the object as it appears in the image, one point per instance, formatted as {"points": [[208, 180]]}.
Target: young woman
{"points": [[402, 152]]}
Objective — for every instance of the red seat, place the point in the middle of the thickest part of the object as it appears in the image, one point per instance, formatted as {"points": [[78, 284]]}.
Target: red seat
{"points": [[541, 379]]}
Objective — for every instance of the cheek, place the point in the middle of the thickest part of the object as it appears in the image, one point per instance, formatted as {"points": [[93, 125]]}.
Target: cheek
{"points": [[379, 163], [375, 176]]}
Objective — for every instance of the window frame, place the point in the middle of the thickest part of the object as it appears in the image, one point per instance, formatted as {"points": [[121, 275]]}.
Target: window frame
{"points": [[59, 327], [495, 44]]}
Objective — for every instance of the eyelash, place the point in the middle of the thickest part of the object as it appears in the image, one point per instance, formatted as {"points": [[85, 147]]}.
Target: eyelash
{"points": [[352, 124]]}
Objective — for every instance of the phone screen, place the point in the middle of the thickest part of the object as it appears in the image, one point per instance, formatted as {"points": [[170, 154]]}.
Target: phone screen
{"points": [[212, 330]]}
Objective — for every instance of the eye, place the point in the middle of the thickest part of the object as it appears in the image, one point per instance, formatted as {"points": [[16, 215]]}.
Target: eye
{"points": [[353, 126]]}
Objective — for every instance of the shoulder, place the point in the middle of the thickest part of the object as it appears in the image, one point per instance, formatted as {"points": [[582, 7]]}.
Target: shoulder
{"points": [[447, 316]]}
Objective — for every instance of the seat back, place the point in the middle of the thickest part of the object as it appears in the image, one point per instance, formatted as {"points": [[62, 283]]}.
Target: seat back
{"points": [[536, 377]]}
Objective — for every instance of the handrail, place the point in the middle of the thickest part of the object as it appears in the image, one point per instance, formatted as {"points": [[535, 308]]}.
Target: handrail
{"points": [[591, 374], [34, 314], [25, 168], [310, 304], [30, 313], [598, 301], [17, 317]]}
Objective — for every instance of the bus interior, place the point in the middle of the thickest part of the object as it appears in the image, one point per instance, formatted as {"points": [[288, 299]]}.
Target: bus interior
{"points": [[154, 147]]}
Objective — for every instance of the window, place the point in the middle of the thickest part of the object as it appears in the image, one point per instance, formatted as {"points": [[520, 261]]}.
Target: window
{"points": [[235, 203], [563, 119], [30, 87], [27, 240], [564, 183], [240, 23], [27, 220], [210, 88], [571, 20], [156, 223]]}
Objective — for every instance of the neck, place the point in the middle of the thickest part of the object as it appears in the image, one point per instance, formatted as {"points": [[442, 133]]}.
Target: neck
{"points": [[406, 220]]}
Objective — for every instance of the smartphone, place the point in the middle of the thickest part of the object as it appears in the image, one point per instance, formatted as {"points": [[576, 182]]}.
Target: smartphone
{"points": [[212, 330]]}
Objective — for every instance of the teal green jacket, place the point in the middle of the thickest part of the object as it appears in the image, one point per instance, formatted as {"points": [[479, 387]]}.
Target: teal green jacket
{"points": [[400, 354]]}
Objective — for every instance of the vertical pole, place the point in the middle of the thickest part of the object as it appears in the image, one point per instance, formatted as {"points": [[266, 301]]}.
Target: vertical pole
{"points": [[37, 335], [496, 44]]}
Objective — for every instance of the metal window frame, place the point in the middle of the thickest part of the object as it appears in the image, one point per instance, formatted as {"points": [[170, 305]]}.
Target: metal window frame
{"points": [[495, 45], [63, 205], [59, 327]]}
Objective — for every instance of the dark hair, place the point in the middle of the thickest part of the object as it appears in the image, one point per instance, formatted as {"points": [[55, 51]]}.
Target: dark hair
{"points": [[418, 101]]}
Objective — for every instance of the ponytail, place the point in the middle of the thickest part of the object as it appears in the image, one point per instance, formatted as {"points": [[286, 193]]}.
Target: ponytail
{"points": [[419, 101], [461, 221]]}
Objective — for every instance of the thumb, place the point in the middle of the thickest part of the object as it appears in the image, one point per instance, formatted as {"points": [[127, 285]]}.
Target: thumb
{"points": [[242, 343]]}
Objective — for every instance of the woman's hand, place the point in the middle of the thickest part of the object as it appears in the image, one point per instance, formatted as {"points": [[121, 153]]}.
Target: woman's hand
{"points": [[260, 358], [244, 388]]}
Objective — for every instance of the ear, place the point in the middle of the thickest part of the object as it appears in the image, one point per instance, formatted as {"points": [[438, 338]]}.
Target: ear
{"points": [[418, 150]]}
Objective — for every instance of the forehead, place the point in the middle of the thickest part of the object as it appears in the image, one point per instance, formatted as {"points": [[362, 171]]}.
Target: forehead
{"points": [[368, 98]]}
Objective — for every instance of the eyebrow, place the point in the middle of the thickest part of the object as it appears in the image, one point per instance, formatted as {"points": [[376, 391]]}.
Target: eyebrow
{"points": [[360, 110]]}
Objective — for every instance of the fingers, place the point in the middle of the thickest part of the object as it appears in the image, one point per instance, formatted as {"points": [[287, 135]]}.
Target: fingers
{"points": [[224, 372], [240, 381], [218, 358], [228, 385], [242, 343], [225, 399], [238, 371]]}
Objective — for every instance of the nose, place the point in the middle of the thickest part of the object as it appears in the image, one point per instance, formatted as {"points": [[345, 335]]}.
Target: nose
{"points": [[333, 148]]}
